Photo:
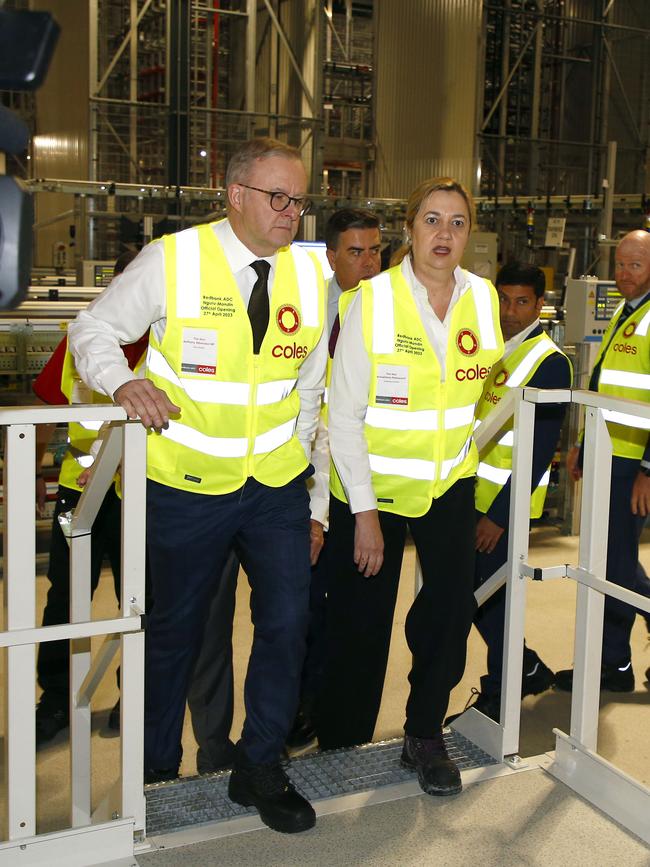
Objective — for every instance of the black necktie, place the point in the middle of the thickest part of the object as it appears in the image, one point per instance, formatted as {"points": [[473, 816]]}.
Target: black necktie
{"points": [[258, 304], [334, 336]]}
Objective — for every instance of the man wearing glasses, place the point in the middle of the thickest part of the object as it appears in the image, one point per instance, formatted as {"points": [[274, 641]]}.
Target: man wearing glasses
{"points": [[235, 367]]}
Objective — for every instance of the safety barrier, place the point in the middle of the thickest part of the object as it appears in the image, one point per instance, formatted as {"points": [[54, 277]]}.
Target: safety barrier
{"points": [[576, 762], [106, 833]]}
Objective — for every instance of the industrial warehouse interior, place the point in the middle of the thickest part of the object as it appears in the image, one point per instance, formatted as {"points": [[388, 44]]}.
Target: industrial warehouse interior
{"points": [[464, 187]]}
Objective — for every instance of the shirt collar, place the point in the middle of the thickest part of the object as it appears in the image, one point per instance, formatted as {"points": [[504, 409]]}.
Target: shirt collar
{"points": [[516, 341], [237, 254], [637, 302], [461, 279], [334, 290]]}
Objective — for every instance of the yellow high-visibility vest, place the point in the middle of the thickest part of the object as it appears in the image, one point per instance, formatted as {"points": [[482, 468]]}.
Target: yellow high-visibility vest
{"points": [[495, 461], [625, 372], [238, 410], [418, 427]]}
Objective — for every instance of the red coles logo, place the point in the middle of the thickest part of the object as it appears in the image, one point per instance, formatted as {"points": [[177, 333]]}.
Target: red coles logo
{"points": [[629, 329], [467, 341], [288, 319], [501, 378]]}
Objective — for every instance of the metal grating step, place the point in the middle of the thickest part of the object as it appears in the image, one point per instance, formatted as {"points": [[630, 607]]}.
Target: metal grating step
{"points": [[196, 800]]}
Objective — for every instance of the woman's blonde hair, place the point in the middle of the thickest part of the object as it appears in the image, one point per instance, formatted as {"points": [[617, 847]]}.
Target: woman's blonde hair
{"points": [[419, 195]]}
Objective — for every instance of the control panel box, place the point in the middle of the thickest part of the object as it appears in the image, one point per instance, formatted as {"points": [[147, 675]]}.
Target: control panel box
{"points": [[590, 303]]}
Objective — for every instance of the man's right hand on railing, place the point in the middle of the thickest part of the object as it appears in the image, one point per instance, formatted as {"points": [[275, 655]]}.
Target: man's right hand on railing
{"points": [[140, 397], [573, 468]]}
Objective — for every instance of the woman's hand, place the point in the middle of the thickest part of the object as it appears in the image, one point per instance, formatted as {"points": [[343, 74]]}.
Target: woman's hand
{"points": [[368, 543]]}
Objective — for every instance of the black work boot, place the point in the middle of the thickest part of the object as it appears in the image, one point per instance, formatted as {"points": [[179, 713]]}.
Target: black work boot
{"points": [[50, 720], [615, 678], [437, 774], [536, 678], [271, 792], [488, 703]]}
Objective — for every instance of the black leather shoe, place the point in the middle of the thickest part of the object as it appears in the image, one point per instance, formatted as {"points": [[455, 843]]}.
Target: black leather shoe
{"points": [[209, 763], [271, 792], [159, 775], [50, 720], [437, 774], [302, 732], [615, 678], [114, 717]]}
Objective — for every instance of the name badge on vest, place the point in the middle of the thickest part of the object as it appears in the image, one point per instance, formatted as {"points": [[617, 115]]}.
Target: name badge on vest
{"points": [[392, 384], [199, 351]]}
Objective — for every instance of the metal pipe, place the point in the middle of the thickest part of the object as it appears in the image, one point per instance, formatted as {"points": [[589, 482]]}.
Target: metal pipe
{"points": [[290, 53]]}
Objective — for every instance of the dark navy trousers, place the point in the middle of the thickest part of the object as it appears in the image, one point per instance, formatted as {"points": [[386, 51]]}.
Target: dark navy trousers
{"points": [[189, 537], [622, 569]]}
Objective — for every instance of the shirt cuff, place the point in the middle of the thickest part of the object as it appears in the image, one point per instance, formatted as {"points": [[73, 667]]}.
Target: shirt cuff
{"points": [[361, 498], [115, 376], [319, 509]]}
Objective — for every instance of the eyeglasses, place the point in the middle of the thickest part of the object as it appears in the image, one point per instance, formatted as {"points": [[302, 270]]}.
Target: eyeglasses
{"points": [[281, 201]]}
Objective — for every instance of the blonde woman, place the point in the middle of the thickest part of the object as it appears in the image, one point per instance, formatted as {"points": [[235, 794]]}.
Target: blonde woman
{"points": [[417, 344]]}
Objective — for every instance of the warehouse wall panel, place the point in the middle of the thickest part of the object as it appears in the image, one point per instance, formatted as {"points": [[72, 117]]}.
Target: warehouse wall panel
{"points": [[426, 92]]}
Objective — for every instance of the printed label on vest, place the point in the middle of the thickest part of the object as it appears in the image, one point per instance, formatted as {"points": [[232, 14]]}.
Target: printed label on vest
{"points": [[392, 384], [189, 478], [217, 305], [408, 344], [385, 500], [199, 351]]}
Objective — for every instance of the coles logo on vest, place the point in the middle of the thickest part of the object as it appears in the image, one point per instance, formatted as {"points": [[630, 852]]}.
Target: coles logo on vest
{"points": [[501, 378], [629, 329], [288, 319], [467, 341], [472, 373]]}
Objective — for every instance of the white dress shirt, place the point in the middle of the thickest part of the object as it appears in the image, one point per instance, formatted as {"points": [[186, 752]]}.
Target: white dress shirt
{"points": [[350, 388], [515, 342], [136, 300]]}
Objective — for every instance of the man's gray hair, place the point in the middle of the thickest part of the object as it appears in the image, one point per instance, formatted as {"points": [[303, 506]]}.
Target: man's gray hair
{"points": [[256, 149]]}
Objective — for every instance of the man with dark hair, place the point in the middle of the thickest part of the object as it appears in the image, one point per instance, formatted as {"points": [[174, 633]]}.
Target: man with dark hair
{"points": [[353, 240], [530, 358], [235, 366]]}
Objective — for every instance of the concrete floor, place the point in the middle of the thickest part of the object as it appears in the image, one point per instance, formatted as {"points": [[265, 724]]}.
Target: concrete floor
{"points": [[533, 821]]}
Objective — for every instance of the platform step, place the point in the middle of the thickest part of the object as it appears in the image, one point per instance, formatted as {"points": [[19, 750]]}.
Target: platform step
{"points": [[197, 800]]}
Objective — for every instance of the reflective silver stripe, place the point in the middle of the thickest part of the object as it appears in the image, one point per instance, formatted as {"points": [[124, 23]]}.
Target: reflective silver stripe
{"points": [[625, 378], [642, 328], [326, 396], [493, 474], [459, 416], [500, 476], [274, 438], [307, 285], [508, 439], [91, 425], [216, 447], [274, 392], [395, 419], [626, 419], [448, 466], [410, 468], [188, 274], [483, 304], [524, 367], [208, 391], [82, 458], [383, 315]]}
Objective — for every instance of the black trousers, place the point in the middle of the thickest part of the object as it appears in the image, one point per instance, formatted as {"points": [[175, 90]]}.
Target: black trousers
{"points": [[53, 666], [360, 618]]}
